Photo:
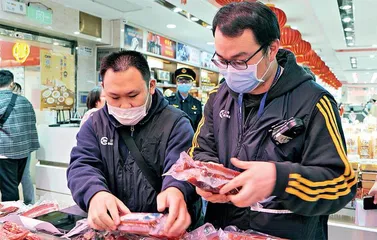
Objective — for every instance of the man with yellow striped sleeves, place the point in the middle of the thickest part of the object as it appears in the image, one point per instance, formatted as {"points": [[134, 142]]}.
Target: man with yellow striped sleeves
{"points": [[272, 122]]}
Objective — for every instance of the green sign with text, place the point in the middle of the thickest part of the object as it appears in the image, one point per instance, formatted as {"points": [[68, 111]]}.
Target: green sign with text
{"points": [[41, 16]]}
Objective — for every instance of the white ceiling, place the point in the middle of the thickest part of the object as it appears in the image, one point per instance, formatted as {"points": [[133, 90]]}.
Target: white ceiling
{"points": [[318, 21]]}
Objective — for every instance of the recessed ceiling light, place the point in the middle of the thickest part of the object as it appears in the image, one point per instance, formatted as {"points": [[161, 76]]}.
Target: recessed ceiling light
{"points": [[210, 43], [347, 19], [99, 39], [349, 37], [372, 56], [348, 29], [177, 10], [350, 44], [355, 78], [77, 33], [56, 43], [195, 19], [346, 7], [171, 26]]}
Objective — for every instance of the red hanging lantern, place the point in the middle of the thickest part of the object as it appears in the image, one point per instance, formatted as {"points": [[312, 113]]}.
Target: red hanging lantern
{"points": [[289, 37], [280, 14], [301, 48], [309, 56]]}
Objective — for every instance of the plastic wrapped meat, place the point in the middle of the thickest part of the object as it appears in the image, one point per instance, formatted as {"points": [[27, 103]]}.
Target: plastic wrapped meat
{"points": [[40, 210], [7, 210], [145, 224], [11, 231], [208, 176], [205, 232], [232, 233]]}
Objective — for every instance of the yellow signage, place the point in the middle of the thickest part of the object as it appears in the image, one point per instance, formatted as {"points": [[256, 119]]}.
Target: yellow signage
{"points": [[21, 52]]}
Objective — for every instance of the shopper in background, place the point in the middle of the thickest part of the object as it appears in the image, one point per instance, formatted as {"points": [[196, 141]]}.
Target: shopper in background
{"points": [[182, 99], [293, 178], [27, 183], [17, 89], [95, 100], [373, 192], [108, 175], [18, 136]]}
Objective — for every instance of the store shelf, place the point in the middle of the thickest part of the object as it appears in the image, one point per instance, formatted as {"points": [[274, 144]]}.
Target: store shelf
{"points": [[166, 85]]}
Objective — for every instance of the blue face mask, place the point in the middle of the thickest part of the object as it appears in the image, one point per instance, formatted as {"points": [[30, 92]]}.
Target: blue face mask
{"points": [[243, 81], [184, 87]]}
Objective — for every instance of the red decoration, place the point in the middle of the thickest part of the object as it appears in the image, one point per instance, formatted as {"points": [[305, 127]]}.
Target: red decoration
{"points": [[280, 14], [301, 48], [225, 2], [289, 37]]}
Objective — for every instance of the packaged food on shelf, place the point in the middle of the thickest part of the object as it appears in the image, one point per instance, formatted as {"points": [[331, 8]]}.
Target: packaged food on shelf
{"points": [[365, 146], [210, 177], [369, 176]]}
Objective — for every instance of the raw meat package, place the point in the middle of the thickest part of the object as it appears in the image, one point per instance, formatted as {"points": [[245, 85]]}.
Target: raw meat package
{"points": [[40, 209], [11, 231], [208, 176], [232, 233], [205, 232], [145, 224], [4, 211]]}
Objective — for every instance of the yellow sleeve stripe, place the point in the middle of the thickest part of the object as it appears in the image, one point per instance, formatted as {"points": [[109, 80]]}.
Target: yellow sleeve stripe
{"points": [[195, 143], [307, 198], [332, 110], [338, 183], [334, 124]]}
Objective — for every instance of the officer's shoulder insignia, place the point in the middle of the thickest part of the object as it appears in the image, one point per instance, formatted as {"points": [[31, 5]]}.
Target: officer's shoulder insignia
{"points": [[194, 107]]}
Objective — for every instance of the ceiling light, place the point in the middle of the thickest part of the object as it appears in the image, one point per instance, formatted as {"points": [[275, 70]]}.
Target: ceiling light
{"points": [[77, 33], [56, 43], [294, 27], [347, 19], [348, 29], [349, 37], [171, 26], [350, 44], [355, 78], [372, 56], [353, 60], [346, 7], [177, 10], [210, 43], [195, 19], [99, 39]]}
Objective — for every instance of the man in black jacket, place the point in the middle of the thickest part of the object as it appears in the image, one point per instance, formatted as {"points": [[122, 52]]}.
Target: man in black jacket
{"points": [[292, 178]]}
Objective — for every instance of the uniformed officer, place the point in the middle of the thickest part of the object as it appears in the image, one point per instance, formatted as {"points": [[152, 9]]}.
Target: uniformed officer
{"points": [[182, 99]]}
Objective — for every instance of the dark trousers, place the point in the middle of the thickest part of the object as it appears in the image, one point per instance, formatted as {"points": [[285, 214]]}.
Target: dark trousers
{"points": [[11, 171]]}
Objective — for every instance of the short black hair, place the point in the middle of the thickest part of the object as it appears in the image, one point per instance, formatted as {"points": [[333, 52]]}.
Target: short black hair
{"points": [[16, 87], [234, 18], [93, 97], [6, 78], [123, 60]]}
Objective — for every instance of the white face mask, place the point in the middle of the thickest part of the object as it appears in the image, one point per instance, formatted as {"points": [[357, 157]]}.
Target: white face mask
{"points": [[130, 116]]}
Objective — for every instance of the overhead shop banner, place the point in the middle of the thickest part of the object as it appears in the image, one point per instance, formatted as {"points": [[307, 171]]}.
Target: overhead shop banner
{"points": [[188, 54], [16, 54], [57, 80], [161, 46], [205, 61], [133, 38]]}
